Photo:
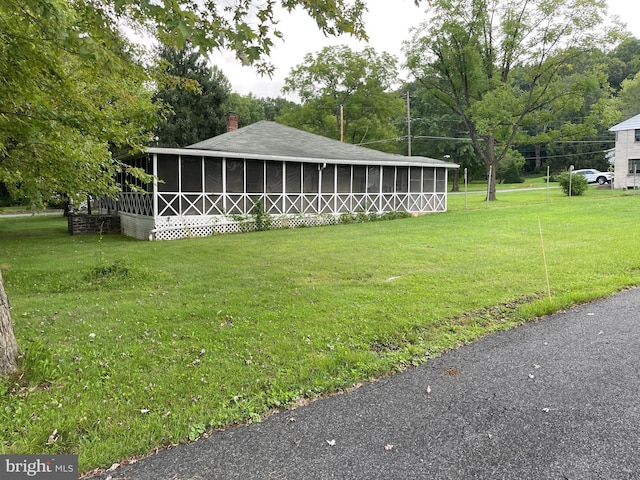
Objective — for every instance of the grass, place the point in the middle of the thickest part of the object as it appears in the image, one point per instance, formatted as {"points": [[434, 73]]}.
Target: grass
{"points": [[132, 345]]}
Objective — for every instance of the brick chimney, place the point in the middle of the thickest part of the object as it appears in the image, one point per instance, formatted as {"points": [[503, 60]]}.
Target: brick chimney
{"points": [[232, 121]]}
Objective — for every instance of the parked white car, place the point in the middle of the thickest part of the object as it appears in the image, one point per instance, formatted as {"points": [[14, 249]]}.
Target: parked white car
{"points": [[595, 176]]}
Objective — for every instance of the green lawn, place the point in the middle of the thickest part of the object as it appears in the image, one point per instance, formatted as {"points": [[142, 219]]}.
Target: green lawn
{"points": [[131, 345]]}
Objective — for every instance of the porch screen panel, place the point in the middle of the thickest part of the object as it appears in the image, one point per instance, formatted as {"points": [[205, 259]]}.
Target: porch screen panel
{"points": [[344, 179], [359, 179], [191, 174], [294, 177], [310, 177], [235, 175], [274, 177], [168, 173], [373, 180], [388, 179], [255, 176], [441, 180], [121, 179], [428, 182], [402, 180], [213, 175], [327, 178], [147, 165], [415, 179]]}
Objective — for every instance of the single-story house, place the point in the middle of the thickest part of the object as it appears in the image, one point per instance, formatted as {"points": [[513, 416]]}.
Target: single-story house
{"points": [[297, 178], [627, 153]]}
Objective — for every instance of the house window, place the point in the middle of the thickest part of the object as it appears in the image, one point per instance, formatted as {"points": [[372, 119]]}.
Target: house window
{"points": [[637, 134], [634, 166]]}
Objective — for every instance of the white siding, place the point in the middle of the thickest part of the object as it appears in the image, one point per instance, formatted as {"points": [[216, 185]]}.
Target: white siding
{"points": [[626, 148]]}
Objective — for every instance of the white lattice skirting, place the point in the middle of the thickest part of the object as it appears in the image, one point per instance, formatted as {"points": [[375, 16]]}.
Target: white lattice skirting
{"points": [[174, 228]]}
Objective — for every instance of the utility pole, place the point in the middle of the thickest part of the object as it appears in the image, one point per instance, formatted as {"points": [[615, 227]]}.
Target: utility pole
{"points": [[408, 125], [341, 123]]}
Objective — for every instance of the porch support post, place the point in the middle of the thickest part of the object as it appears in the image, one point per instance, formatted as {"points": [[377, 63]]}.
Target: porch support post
{"points": [[155, 212]]}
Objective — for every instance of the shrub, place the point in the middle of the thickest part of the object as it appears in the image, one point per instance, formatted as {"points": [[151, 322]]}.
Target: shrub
{"points": [[510, 168], [578, 183], [508, 171]]}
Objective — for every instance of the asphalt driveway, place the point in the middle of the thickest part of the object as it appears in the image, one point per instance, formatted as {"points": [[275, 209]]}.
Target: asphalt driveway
{"points": [[554, 399]]}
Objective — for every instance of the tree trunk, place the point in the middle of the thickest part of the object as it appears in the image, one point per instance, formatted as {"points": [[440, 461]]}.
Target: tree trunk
{"points": [[8, 345], [538, 156], [456, 181]]}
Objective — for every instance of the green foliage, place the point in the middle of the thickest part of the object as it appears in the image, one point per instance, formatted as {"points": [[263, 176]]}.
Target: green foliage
{"points": [[623, 63], [509, 170], [576, 184], [247, 28], [436, 131], [66, 103], [360, 82], [627, 103], [195, 430], [251, 109], [362, 217], [502, 66], [74, 90], [195, 95], [261, 217], [116, 270], [38, 363]]}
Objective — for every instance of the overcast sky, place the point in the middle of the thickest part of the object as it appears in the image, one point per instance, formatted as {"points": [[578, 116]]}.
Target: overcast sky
{"points": [[387, 23]]}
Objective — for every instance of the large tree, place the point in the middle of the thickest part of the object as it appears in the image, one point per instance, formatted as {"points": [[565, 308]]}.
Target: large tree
{"points": [[346, 92], [195, 94], [73, 89], [70, 93], [497, 63]]}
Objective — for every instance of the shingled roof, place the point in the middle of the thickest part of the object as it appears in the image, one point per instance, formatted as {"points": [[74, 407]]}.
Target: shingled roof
{"points": [[273, 141]]}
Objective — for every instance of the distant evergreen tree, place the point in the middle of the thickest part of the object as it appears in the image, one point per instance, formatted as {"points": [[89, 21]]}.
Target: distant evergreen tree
{"points": [[195, 94]]}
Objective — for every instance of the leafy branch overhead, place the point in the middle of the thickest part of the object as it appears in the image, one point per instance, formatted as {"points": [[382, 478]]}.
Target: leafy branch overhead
{"points": [[246, 27], [75, 89]]}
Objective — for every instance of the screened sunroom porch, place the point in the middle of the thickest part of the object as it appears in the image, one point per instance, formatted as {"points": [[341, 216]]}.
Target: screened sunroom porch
{"points": [[201, 192]]}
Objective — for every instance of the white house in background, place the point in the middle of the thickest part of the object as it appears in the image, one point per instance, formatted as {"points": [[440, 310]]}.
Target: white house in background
{"points": [[298, 178], [627, 153]]}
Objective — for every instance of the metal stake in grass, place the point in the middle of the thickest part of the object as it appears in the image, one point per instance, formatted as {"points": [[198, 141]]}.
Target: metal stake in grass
{"points": [[544, 258]]}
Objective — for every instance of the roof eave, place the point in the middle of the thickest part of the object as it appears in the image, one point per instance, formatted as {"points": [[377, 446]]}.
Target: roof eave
{"points": [[401, 161]]}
